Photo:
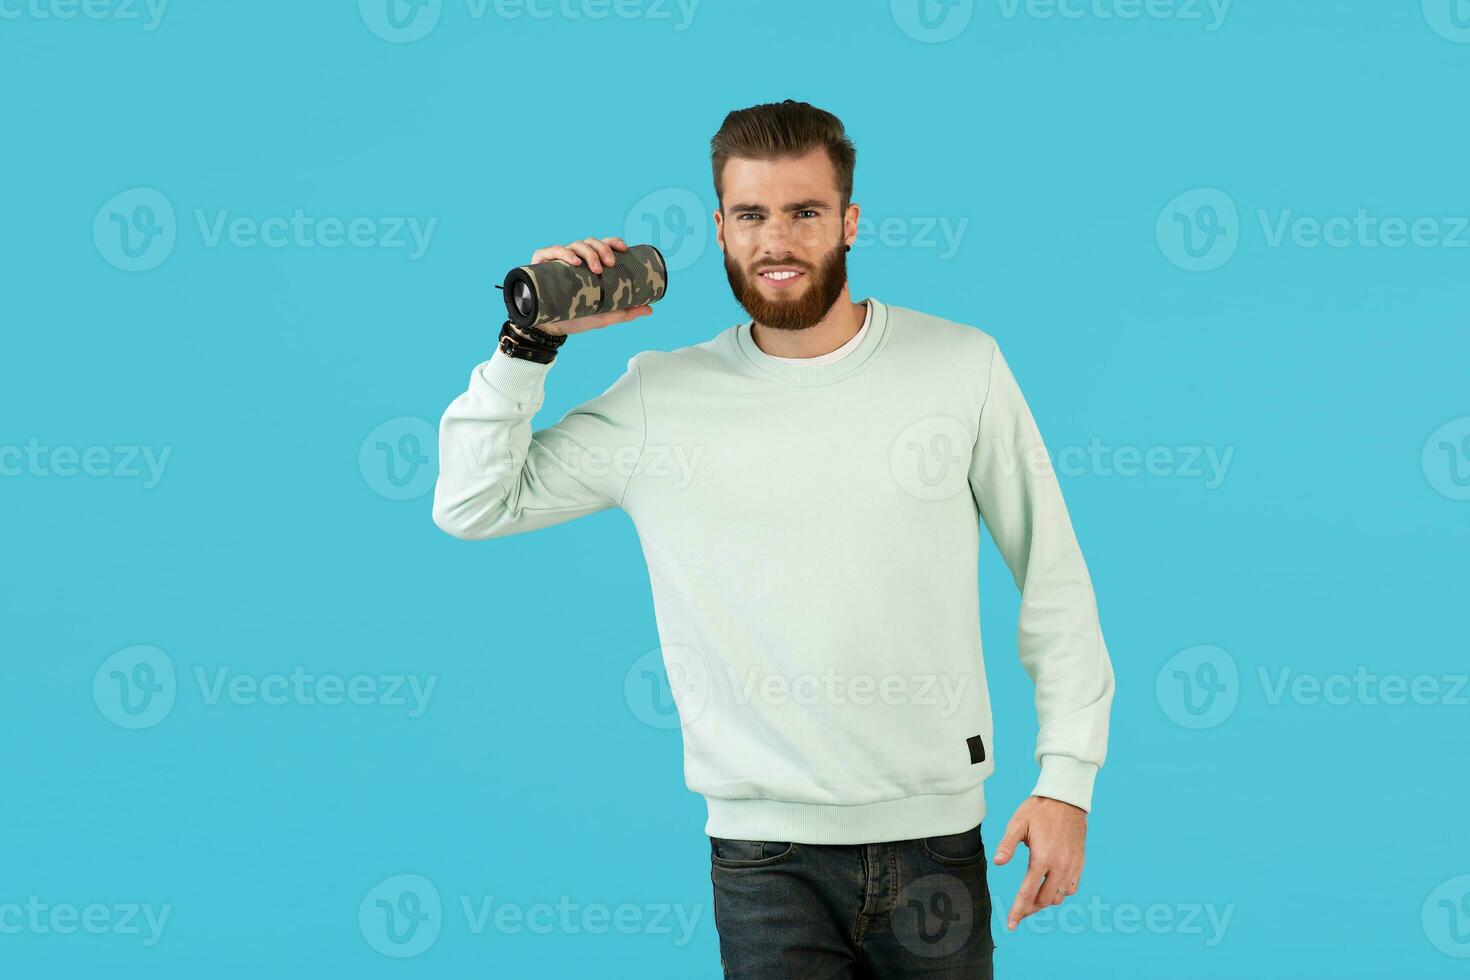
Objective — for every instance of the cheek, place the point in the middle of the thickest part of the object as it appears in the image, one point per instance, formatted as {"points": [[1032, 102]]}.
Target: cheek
{"points": [[810, 237]]}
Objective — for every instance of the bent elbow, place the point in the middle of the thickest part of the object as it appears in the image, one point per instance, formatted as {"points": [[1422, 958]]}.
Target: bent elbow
{"points": [[454, 521]]}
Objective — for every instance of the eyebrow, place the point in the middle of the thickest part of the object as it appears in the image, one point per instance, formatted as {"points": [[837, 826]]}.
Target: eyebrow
{"points": [[812, 204]]}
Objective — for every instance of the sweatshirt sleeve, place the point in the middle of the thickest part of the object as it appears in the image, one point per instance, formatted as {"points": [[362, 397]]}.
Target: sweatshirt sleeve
{"points": [[498, 477], [1059, 636]]}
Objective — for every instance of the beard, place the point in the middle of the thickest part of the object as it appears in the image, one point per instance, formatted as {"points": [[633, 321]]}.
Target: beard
{"points": [[810, 302]]}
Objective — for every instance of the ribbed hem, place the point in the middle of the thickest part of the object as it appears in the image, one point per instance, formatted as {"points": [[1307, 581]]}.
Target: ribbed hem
{"points": [[515, 377], [857, 823], [1067, 779]]}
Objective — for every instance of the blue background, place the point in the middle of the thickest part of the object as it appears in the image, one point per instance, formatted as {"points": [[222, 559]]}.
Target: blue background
{"points": [[1332, 835]]}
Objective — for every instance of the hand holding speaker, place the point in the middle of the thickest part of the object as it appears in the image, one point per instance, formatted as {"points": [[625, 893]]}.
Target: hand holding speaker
{"points": [[598, 281]]}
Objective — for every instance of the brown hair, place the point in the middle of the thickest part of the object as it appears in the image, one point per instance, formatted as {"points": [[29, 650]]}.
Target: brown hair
{"points": [[774, 130]]}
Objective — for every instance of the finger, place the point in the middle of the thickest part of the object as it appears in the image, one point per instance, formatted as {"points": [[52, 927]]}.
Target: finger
{"points": [[588, 254], [597, 320], [1015, 830], [1053, 890], [552, 252], [603, 250], [632, 313], [1042, 897], [1071, 878], [1025, 895], [1027, 909], [616, 243]]}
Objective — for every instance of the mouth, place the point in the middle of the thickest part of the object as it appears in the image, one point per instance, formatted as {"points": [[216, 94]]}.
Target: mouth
{"points": [[781, 276]]}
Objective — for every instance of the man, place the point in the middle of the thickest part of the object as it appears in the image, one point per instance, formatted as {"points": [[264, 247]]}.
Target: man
{"points": [[815, 579]]}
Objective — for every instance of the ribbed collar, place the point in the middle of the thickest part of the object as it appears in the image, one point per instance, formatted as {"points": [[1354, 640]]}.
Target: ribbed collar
{"points": [[813, 374]]}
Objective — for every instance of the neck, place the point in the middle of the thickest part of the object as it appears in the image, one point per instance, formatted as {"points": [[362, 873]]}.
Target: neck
{"points": [[840, 325]]}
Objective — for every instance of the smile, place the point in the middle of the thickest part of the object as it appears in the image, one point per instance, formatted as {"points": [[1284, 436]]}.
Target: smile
{"points": [[781, 277]]}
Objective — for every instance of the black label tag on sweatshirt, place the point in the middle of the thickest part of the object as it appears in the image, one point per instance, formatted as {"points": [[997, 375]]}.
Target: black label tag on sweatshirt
{"points": [[977, 749]]}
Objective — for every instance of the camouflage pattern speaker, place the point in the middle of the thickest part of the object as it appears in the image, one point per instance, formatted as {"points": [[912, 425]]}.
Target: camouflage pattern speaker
{"points": [[550, 292]]}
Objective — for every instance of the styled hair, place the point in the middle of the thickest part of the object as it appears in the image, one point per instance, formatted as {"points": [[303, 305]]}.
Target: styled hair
{"points": [[775, 130]]}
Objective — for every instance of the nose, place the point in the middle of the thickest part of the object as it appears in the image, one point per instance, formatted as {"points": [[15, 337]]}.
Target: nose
{"points": [[776, 235]]}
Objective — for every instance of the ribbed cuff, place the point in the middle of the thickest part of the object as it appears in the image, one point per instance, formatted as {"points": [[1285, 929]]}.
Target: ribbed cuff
{"points": [[516, 378], [1067, 779]]}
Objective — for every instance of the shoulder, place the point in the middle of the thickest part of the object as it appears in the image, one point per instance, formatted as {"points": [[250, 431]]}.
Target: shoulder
{"points": [[940, 336], [690, 358]]}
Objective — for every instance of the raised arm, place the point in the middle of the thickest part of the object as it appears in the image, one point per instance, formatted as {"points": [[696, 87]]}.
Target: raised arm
{"points": [[496, 475]]}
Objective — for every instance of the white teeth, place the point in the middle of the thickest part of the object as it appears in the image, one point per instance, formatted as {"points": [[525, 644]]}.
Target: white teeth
{"points": [[780, 275]]}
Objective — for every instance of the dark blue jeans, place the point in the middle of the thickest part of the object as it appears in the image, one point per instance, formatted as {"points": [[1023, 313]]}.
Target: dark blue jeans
{"points": [[909, 908]]}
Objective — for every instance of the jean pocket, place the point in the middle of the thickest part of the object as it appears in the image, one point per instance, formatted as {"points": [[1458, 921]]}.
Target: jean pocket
{"points": [[728, 852], [965, 847]]}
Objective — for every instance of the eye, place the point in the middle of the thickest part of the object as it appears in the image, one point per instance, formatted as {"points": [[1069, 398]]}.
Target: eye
{"points": [[808, 211], [747, 214]]}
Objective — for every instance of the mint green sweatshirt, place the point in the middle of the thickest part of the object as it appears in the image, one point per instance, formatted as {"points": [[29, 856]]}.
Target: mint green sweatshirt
{"points": [[812, 537]]}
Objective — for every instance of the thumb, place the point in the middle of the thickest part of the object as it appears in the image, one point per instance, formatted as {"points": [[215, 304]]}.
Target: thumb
{"points": [[1015, 830]]}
